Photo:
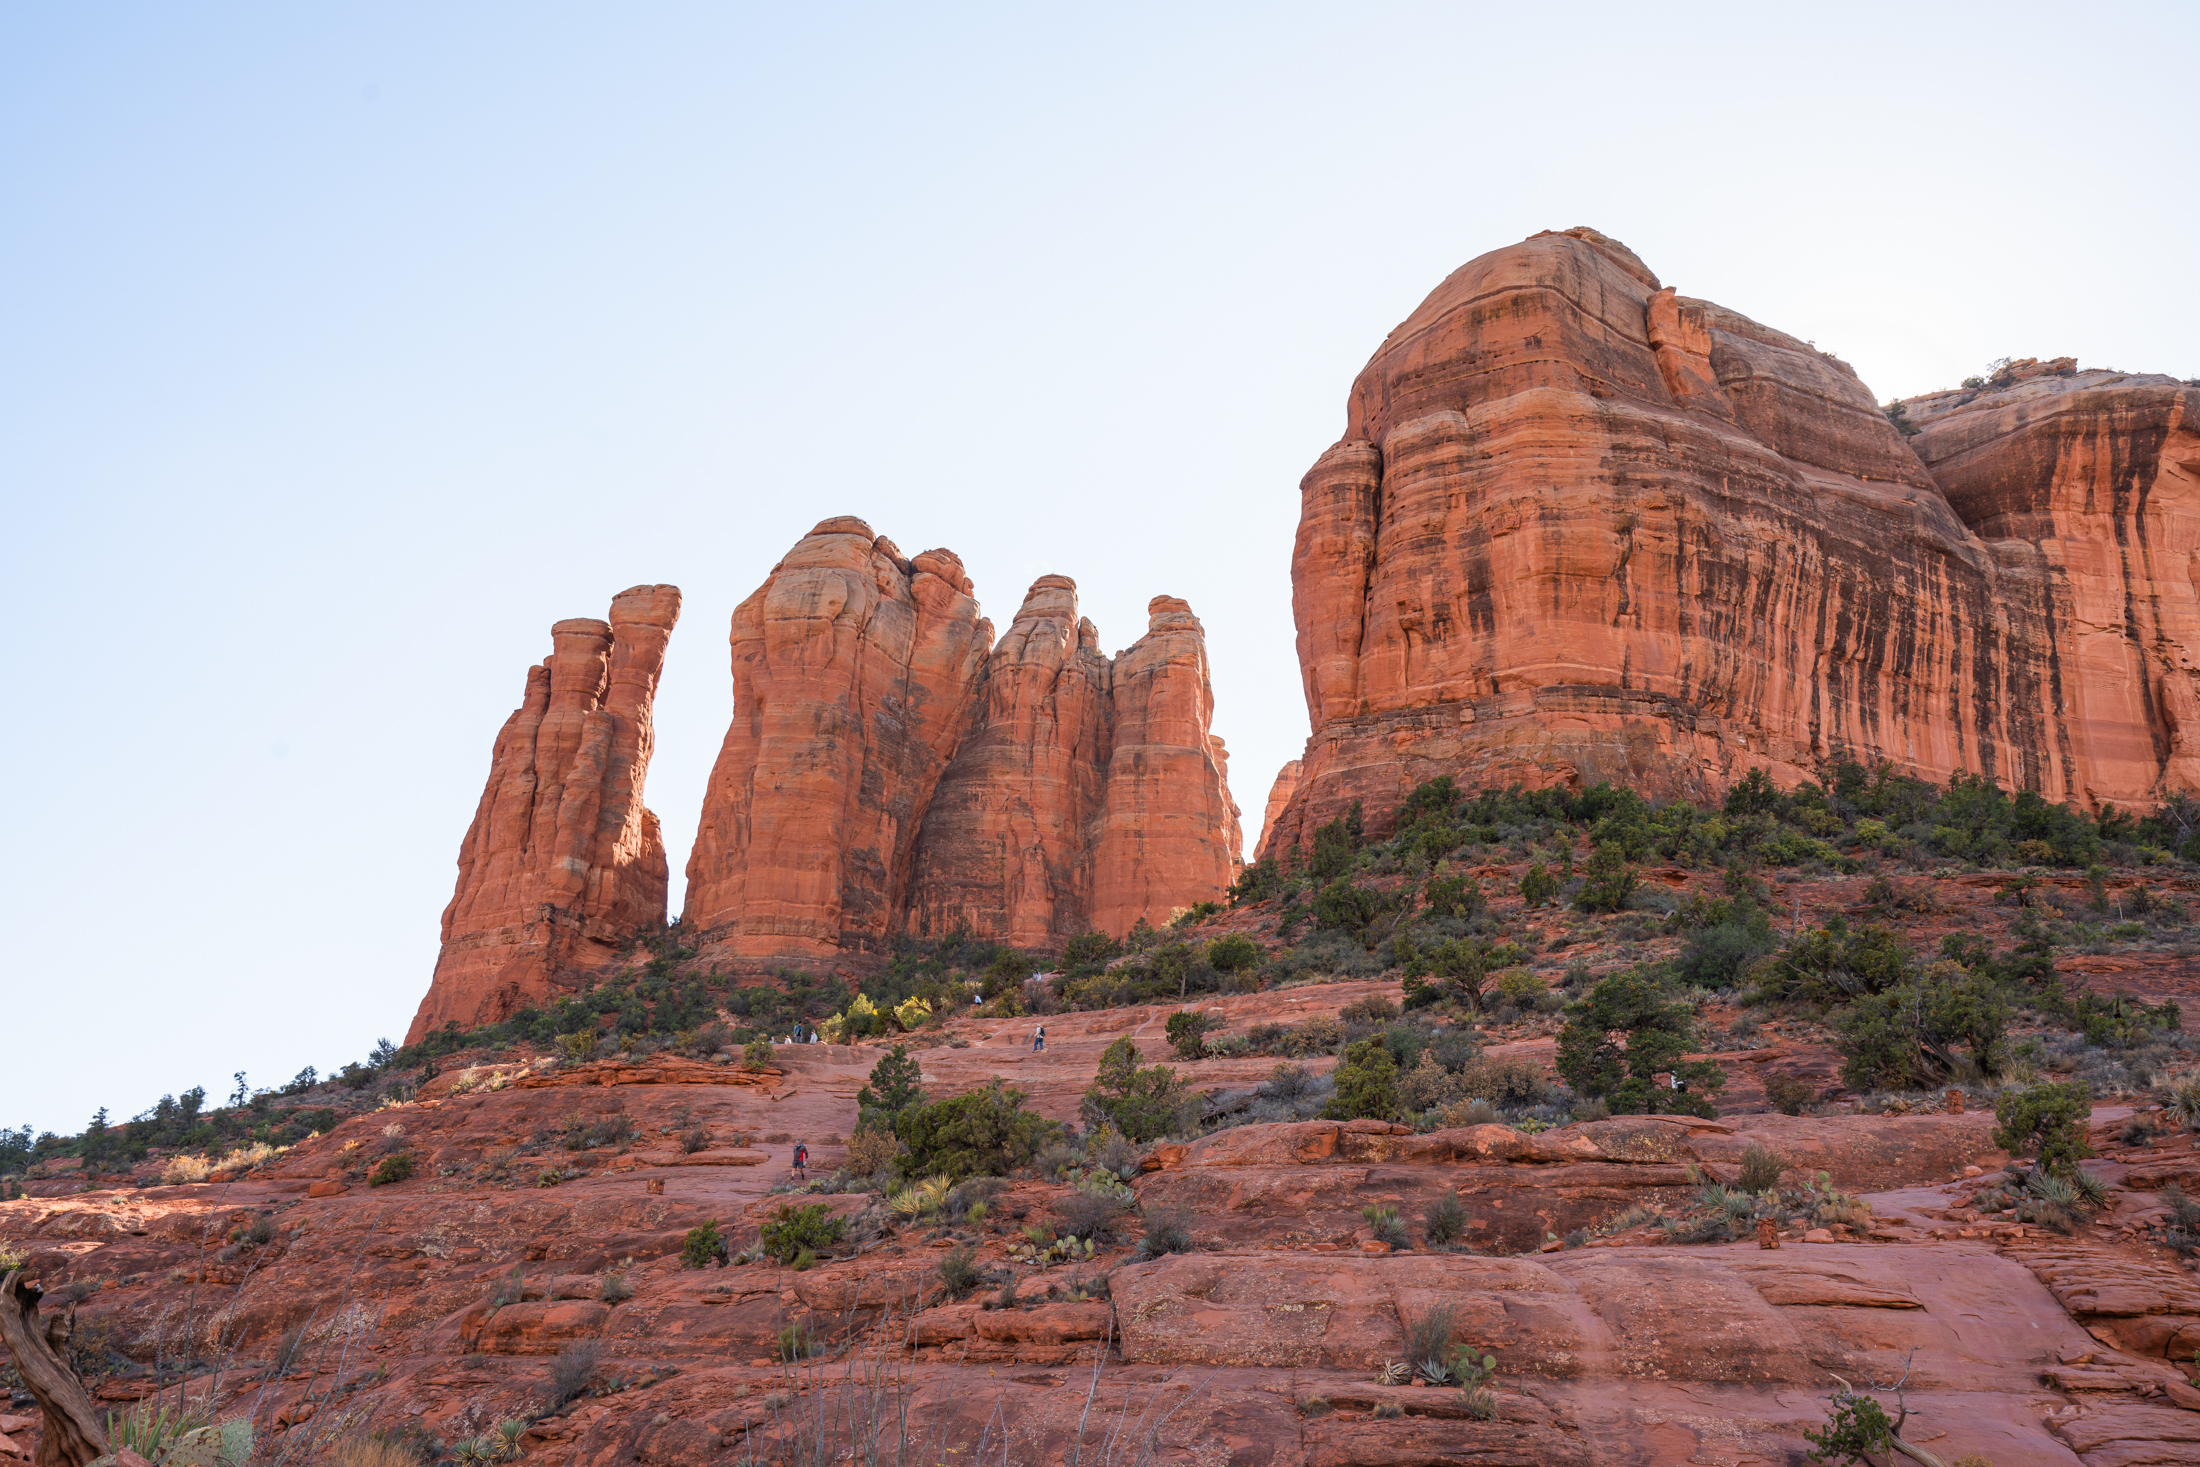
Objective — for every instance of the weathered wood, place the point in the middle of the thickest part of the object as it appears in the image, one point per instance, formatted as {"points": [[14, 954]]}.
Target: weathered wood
{"points": [[73, 1435]]}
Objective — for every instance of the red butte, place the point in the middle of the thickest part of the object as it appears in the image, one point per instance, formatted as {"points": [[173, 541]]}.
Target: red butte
{"points": [[1580, 527]]}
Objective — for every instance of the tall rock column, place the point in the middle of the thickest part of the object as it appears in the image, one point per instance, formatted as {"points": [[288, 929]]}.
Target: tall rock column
{"points": [[1004, 845], [853, 671], [563, 861], [1168, 832]]}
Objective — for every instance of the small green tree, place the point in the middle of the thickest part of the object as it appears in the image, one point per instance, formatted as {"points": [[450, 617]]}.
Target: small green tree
{"points": [[1188, 1032], [1090, 950], [1538, 886], [1906, 1038], [1611, 880], [1334, 844], [1623, 1032], [983, 1131], [896, 1084], [1144, 1103], [1233, 954], [1367, 1084], [1452, 896], [1349, 907], [2048, 1117]]}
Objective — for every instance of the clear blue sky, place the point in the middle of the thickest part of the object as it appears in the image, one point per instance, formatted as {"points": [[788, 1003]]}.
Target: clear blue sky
{"points": [[343, 349]]}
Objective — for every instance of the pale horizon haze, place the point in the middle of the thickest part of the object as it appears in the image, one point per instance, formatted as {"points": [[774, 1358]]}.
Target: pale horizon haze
{"points": [[345, 349]]}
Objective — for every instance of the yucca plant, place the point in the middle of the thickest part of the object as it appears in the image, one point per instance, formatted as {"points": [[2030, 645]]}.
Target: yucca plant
{"points": [[149, 1432]]}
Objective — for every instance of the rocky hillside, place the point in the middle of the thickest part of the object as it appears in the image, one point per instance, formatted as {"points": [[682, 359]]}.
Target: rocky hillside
{"points": [[1285, 1175]]}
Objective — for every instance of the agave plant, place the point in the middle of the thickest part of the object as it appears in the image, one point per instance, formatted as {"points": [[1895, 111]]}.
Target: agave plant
{"points": [[1394, 1373], [1437, 1373]]}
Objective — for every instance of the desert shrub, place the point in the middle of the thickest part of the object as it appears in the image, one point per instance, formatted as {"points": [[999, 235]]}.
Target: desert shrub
{"points": [[1428, 1336], [1789, 1093], [793, 1230], [615, 1289], [1538, 887], [1384, 1223], [981, 1131], [1609, 882], [1761, 1168], [1453, 896], [1715, 957], [1187, 1032], [1367, 1084], [1144, 1103], [2048, 1118], [572, 1372], [1468, 1113], [871, 1150], [1168, 1230], [757, 1054], [1348, 907], [1427, 1086], [1503, 1079], [796, 1341], [1288, 1081], [703, 1246], [959, 1272], [694, 1139], [1374, 1009], [1087, 1215], [1624, 1032], [1233, 954], [372, 1450], [1520, 988], [1445, 1221], [582, 1134], [393, 1168]]}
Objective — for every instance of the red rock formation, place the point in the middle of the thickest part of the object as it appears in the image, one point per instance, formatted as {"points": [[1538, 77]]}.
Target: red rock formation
{"points": [[563, 861], [1279, 796], [885, 771], [1168, 834], [1006, 846], [853, 673], [2086, 488], [1580, 527]]}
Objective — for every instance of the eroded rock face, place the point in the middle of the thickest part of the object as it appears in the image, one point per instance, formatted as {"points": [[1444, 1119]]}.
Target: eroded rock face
{"points": [[1279, 799], [853, 674], [890, 769], [1580, 527], [2086, 488], [563, 861]]}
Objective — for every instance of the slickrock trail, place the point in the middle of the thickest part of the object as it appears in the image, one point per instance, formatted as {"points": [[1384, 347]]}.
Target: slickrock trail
{"points": [[2028, 1347]]}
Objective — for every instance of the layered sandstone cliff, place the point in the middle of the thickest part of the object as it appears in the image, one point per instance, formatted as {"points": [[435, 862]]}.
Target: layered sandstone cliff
{"points": [[888, 769], [1580, 527], [562, 862]]}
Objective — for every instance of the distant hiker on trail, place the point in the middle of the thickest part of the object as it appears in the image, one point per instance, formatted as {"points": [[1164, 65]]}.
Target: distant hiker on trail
{"points": [[1039, 1039], [802, 1160]]}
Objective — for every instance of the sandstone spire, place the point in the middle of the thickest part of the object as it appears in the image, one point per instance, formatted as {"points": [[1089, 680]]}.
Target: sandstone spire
{"points": [[562, 861]]}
